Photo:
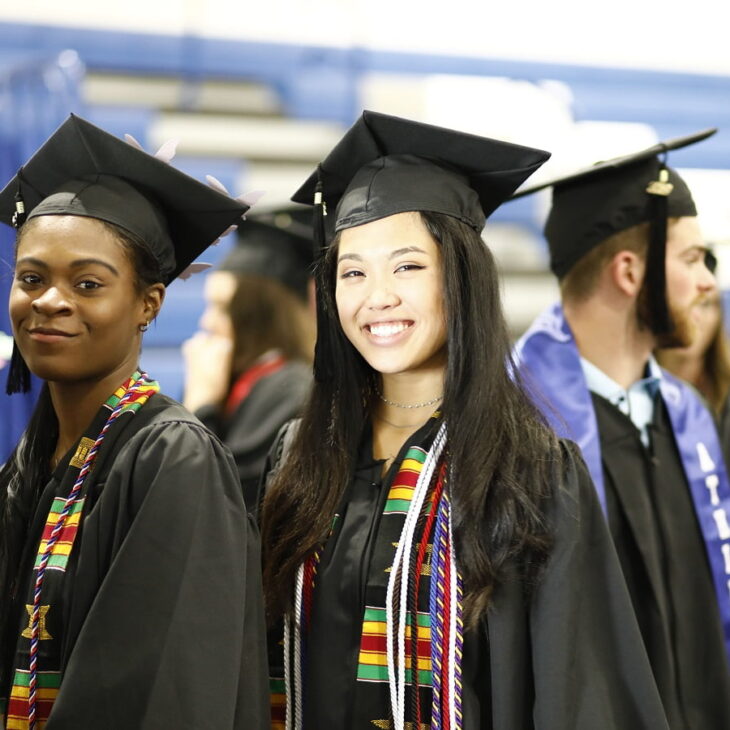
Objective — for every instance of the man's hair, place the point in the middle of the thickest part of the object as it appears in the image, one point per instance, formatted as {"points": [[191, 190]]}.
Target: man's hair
{"points": [[580, 282]]}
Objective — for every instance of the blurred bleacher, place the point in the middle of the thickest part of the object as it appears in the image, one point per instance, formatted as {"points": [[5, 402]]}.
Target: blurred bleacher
{"points": [[260, 115]]}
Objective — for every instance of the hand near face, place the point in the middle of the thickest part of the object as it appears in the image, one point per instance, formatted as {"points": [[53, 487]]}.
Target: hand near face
{"points": [[208, 359]]}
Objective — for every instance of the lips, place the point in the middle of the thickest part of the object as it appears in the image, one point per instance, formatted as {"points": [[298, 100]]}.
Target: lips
{"points": [[49, 334], [387, 329]]}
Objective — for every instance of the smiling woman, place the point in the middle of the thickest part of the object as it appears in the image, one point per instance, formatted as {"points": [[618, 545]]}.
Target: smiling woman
{"points": [[433, 556], [390, 302], [122, 524], [74, 307]]}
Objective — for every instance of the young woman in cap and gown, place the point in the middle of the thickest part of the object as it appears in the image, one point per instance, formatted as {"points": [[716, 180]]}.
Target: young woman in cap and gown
{"points": [[632, 263], [131, 593], [434, 557], [248, 370]]}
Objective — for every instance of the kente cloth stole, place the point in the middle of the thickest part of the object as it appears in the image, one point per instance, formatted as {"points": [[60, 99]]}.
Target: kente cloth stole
{"points": [[409, 668], [37, 674]]}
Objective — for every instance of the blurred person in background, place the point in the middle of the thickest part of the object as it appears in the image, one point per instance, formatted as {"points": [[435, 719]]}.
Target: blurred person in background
{"points": [[631, 260], [248, 370], [130, 588], [434, 556], [705, 363]]}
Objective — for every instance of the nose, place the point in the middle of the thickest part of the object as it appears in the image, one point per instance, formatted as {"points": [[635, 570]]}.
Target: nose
{"points": [[204, 321], [382, 295], [707, 281], [51, 301]]}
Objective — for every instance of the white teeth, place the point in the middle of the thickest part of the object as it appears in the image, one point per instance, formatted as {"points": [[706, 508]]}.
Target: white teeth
{"points": [[387, 330]]}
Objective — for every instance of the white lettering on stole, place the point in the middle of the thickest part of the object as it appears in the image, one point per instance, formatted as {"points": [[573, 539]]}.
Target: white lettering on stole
{"points": [[723, 528], [712, 482], [726, 555], [706, 462]]}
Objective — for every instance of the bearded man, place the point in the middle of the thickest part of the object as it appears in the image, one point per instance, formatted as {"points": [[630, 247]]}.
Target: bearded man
{"points": [[632, 265]]}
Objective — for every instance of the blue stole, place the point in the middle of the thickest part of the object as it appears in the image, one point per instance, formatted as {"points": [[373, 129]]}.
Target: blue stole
{"points": [[548, 361]]}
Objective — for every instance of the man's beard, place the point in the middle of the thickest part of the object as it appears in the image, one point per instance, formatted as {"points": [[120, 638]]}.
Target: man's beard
{"points": [[682, 328]]}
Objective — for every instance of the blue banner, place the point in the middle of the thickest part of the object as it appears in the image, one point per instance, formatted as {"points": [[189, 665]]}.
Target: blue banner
{"points": [[36, 95]]}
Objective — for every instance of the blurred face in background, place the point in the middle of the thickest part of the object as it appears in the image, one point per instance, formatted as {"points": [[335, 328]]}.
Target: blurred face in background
{"points": [[219, 289], [689, 281], [707, 316]]}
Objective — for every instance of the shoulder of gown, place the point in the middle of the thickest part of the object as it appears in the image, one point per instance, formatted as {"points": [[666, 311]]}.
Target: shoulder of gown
{"points": [[169, 629]]}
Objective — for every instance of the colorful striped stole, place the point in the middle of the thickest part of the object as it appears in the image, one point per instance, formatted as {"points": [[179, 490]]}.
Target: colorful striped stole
{"points": [[34, 690], [424, 591]]}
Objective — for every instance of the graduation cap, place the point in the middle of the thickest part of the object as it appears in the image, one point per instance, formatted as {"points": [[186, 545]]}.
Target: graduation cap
{"points": [[386, 165], [276, 245], [82, 170], [595, 203]]}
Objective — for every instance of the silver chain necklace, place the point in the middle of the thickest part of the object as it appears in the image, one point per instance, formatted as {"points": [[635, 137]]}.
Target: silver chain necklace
{"points": [[410, 405]]}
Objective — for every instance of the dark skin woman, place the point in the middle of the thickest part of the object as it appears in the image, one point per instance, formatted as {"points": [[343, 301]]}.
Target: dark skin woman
{"points": [[123, 525], [421, 488]]}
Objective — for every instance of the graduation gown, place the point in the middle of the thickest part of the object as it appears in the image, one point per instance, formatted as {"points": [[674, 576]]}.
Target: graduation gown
{"points": [[161, 616], [566, 656], [651, 519], [250, 430]]}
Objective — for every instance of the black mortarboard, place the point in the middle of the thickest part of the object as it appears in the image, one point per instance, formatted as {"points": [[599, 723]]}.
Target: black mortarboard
{"points": [[386, 165], [594, 203], [82, 170], [277, 245], [612, 196]]}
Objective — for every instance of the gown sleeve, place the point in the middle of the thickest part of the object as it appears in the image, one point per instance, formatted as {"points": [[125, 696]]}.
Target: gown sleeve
{"points": [[590, 667], [174, 636]]}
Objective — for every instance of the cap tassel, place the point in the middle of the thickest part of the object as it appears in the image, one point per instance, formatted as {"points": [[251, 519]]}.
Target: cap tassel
{"points": [[656, 276], [323, 355], [19, 216], [18, 373]]}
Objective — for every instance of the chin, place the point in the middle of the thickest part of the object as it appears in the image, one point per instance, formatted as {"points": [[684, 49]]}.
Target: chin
{"points": [[61, 372]]}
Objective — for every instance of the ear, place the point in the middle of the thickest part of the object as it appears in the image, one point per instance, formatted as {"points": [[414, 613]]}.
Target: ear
{"points": [[152, 299], [626, 271]]}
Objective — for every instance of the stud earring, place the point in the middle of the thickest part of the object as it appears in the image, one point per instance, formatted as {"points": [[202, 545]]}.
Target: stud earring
{"points": [[144, 327]]}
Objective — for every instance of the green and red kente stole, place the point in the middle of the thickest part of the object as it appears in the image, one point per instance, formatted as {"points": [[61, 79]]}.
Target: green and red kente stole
{"points": [[409, 661], [37, 675]]}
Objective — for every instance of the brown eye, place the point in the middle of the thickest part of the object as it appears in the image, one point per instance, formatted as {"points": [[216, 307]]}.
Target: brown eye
{"points": [[88, 285], [29, 279]]}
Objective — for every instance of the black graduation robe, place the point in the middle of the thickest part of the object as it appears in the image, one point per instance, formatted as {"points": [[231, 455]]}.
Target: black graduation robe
{"points": [[251, 429], [162, 622], [652, 518], [567, 657]]}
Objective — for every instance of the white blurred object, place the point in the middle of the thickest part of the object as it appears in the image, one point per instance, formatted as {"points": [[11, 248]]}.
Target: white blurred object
{"points": [[489, 106], [6, 348]]}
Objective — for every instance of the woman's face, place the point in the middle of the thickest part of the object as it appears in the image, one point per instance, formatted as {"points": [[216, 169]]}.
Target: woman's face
{"points": [[389, 294], [74, 308], [707, 316], [220, 286]]}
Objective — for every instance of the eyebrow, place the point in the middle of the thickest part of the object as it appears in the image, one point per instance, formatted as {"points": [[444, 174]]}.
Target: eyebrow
{"points": [[74, 265], [394, 254], [695, 247]]}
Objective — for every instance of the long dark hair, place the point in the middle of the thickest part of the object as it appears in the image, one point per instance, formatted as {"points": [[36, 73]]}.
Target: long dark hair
{"points": [[503, 458], [27, 470], [266, 315]]}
